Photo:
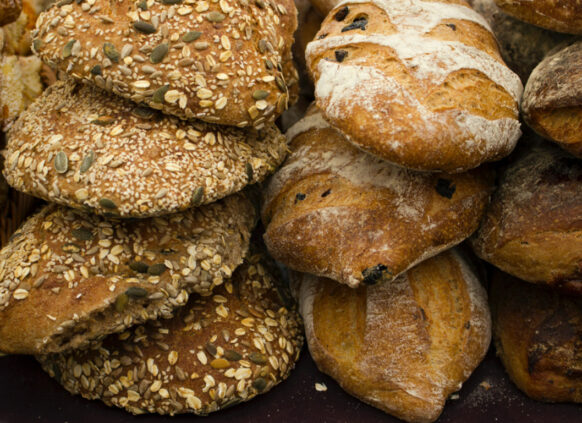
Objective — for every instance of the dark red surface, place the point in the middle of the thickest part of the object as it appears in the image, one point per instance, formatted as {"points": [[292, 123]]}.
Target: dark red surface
{"points": [[27, 394]]}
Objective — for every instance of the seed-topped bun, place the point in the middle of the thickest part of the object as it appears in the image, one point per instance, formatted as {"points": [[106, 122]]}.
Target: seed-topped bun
{"points": [[220, 62], [85, 148], [68, 278], [218, 351]]}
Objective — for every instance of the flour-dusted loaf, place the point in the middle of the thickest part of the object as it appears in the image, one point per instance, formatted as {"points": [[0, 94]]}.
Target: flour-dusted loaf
{"points": [[552, 99], [555, 15], [419, 83], [220, 62], [85, 148], [403, 347], [538, 334], [68, 278], [9, 11], [533, 226], [335, 211], [217, 351]]}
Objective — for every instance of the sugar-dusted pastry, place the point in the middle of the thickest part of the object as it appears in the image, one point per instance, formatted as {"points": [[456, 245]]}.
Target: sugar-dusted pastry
{"points": [[556, 15]]}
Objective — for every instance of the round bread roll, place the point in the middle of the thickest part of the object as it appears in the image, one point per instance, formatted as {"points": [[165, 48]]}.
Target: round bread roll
{"points": [[220, 62], [9, 11], [552, 100], [418, 83], [556, 15], [533, 226], [537, 335], [402, 347], [68, 278], [335, 211], [217, 351], [84, 148]]}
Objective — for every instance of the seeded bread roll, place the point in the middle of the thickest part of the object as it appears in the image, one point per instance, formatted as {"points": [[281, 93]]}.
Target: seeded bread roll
{"points": [[84, 148], [533, 227], [555, 15], [9, 11], [552, 100], [402, 347], [217, 351], [418, 83], [335, 211], [220, 62], [537, 335], [68, 278]]}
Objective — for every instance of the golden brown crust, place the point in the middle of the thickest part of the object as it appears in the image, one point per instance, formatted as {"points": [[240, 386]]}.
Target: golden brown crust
{"points": [[403, 347], [335, 211], [84, 148], [537, 335], [533, 226], [68, 278], [9, 11], [218, 351], [228, 69], [556, 15]]}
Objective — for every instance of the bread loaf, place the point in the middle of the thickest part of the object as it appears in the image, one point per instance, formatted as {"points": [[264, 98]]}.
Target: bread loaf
{"points": [[402, 347], [9, 11], [335, 211], [419, 83], [17, 35], [537, 336], [556, 15]]}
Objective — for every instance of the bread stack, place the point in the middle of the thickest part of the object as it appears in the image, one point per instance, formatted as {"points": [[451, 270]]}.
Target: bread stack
{"points": [[163, 116]]}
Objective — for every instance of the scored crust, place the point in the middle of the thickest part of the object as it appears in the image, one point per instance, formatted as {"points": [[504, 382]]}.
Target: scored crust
{"points": [[220, 62], [68, 278], [216, 352], [84, 148]]}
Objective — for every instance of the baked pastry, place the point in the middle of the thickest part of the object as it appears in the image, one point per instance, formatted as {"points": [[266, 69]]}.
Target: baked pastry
{"points": [[418, 83], [402, 347], [68, 278], [533, 226], [560, 15], [552, 100], [335, 211], [537, 335], [220, 62], [218, 351], [9, 11], [85, 148]]}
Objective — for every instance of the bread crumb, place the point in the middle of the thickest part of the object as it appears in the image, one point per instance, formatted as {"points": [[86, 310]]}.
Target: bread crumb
{"points": [[320, 387], [485, 385]]}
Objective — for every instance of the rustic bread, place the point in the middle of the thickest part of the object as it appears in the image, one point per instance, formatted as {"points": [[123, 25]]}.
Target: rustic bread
{"points": [[552, 100], [537, 334], [68, 278], [533, 226], [17, 34], [218, 351], [220, 62], [335, 211], [419, 83], [9, 11], [85, 148], [555, 15], [402, 347]]}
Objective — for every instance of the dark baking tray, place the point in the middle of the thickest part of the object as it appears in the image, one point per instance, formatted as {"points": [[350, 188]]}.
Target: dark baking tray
{"points": [[27, 394]]}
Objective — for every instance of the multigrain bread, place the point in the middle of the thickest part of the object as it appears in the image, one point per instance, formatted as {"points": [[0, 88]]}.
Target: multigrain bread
{"points": [[402, 347], [217, 351], [419, 83], [552, 99], [555, 15], [335, 211], [533, 226], [537, 334], [9, 11], [67, 278], [85, 148], [220, 62]]}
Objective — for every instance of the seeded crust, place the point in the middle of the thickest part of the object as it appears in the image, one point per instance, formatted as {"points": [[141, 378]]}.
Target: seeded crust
{"points": [[220, 62], [84, 148], [335, 211], [402, 347], [555, 15], [9, 11], [69, 278], [218, 351], [537, 334]]}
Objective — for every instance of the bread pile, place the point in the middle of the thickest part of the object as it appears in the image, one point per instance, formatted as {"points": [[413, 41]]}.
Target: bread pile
{"points": [[144, 149]]}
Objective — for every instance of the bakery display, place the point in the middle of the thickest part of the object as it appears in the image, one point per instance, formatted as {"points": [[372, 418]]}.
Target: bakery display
{"points": [[68, 278], [533, 228], [217, 351], [537, 337], [560, 15], [403, 347], [552, 99]]}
